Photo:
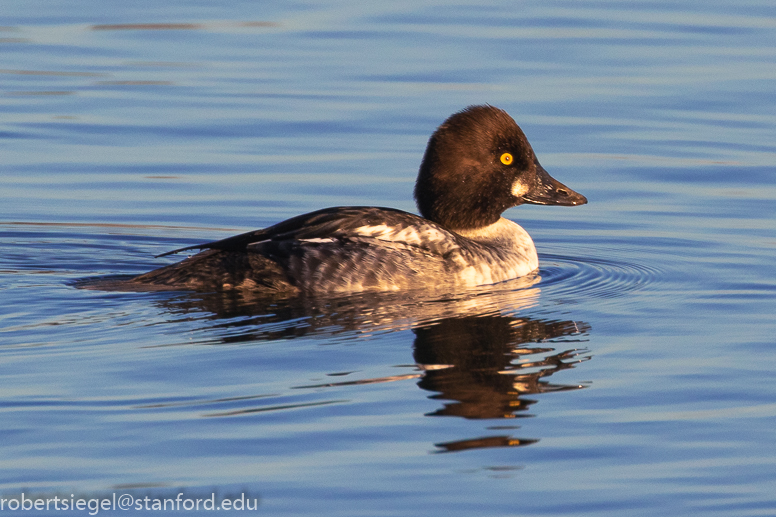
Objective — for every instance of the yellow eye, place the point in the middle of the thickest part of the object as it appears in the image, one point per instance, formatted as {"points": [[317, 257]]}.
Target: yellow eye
{"points": [[506, 159]]}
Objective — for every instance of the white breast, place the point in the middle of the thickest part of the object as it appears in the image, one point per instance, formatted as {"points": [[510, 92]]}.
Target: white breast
{"points": [[507, 252]]}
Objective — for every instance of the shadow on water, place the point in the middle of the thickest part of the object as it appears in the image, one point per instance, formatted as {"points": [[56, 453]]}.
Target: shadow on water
{"points": [[473, 351]]}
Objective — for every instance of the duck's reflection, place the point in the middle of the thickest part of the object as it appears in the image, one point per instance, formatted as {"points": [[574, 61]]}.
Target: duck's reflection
{"points": [[487, 363], [246, 318], [475, 352], [484, 367]]}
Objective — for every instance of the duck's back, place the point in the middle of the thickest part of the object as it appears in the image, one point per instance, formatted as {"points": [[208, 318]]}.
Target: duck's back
{"points": [[342, 249], [217, 270]]}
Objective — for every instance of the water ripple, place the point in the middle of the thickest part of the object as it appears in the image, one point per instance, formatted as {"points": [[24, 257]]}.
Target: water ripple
{"points": [[595, 277]]}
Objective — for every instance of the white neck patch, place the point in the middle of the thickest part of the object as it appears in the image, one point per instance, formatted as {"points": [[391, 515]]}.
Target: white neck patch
{"points": [[501, 229]]}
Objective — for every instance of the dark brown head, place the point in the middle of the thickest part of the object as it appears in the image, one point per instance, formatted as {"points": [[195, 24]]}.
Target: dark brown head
{"points": [[477, 164]]}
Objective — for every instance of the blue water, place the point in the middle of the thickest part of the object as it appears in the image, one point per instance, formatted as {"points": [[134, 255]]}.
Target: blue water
{"points": [[634, 375]]}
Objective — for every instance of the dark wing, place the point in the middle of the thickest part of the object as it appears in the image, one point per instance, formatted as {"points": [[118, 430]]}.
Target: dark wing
{"points": [[327, 223]]}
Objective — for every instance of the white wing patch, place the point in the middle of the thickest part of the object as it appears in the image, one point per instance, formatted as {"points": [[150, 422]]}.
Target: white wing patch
{"points": [[409, 235], [482, 268], [319, 240], [257, 244]]}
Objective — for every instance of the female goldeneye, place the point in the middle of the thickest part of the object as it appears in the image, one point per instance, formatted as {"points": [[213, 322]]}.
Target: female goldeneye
{"points": [[477, 164]]}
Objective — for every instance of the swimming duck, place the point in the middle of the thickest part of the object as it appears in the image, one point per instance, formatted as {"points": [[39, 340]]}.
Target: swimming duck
{"points": [[477, 164]]}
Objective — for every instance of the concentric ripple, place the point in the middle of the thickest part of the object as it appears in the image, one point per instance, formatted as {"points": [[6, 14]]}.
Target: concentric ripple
{"points": [[595, 277]]}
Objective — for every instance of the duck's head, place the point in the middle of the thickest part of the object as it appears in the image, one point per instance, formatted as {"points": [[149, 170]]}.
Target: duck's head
{"points": [[477, 164]]}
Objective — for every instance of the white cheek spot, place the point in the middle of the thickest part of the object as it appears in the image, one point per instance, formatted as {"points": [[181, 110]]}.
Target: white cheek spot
{"points": [[519, 189]]}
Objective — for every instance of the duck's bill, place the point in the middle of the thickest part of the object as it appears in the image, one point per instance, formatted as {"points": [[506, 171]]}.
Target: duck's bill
{"points": [[549, 191]]}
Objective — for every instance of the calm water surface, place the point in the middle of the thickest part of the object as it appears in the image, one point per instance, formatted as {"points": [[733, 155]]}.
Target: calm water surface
{"points": [[633, 375]]}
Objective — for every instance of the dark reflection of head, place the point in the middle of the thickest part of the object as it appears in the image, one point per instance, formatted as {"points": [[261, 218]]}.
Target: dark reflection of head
{"points": [[489, 366], [483, 367]]}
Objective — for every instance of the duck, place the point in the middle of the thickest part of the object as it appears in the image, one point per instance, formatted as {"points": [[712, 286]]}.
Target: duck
{"points": [[477, 164]]}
